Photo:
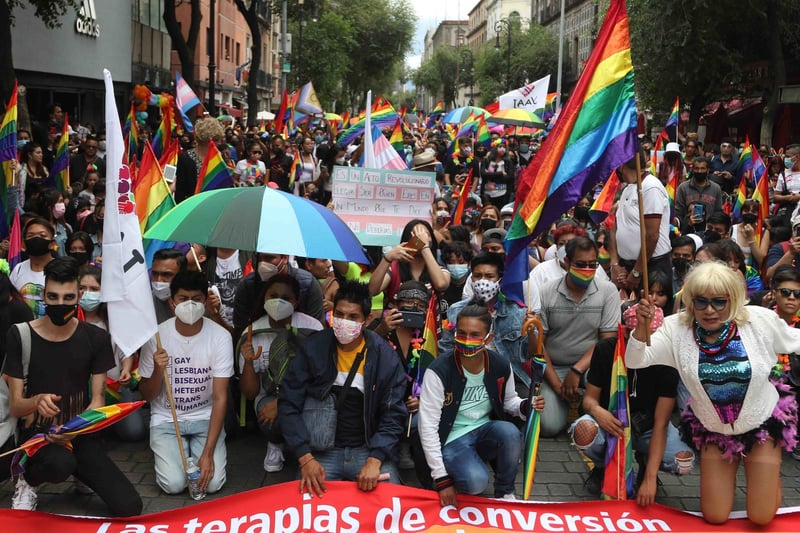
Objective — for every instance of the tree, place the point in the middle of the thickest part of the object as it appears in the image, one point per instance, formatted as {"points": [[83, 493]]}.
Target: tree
{"points": [[184, 46], [250, 11], [48, 11], [440, 74]]}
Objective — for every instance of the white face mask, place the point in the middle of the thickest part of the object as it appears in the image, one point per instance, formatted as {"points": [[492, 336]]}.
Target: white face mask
{"points": [[160, 290], [346, 331], [266, 270], [561, 255], [278, 308], [189, 311]]}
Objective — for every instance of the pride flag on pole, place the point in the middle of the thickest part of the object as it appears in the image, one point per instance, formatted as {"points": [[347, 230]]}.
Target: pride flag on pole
{"points": [[605, 200], [463, 195], [153, 200], [163, 134], [8, 152], [673, 115], [594, 134], [214, 174], [618, 477], [186, 100], [59, 174]]}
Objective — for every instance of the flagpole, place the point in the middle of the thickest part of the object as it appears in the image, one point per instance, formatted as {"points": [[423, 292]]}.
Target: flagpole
{"points": [[643, 238], [168, 386]]}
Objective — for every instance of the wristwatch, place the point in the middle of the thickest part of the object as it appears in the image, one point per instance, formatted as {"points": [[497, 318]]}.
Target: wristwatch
{"points": [[635, 273]]}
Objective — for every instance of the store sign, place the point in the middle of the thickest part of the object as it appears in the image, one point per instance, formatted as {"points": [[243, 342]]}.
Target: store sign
{"points": [[86, 23]]}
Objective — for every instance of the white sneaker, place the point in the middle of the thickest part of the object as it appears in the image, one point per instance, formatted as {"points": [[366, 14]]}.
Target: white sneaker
{"points": [[273, 461], [510, 496], [25, 497]]}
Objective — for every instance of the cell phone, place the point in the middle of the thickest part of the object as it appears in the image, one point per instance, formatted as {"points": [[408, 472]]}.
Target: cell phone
{"points": [[169, 173], [415, 243], [797, 231], [697, 210], [443, 220], [413, 319]]}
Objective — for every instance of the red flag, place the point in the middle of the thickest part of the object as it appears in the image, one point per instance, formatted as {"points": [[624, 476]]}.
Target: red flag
{"points": [[281, 112], [462, 199]]}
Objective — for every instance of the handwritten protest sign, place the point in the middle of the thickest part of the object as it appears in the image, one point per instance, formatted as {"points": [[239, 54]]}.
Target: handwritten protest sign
{"points": [[377, 203]]}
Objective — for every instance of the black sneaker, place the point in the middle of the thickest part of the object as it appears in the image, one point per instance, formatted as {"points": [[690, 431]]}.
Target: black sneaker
{"points": [[594, 483]]}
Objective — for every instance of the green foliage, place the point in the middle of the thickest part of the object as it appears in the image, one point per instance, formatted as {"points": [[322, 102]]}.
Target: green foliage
{"points": [[440, 74], [326, 47], [48, 11]]}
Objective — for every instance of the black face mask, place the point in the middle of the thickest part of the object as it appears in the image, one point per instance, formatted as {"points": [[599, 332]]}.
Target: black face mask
{"points": [[681, 265], [582, 213], [480, 153], [749, 218], [700, 176], [488, 223], [37, 246], [60, 314], [467, 221], [81, 257], [711, 236]]}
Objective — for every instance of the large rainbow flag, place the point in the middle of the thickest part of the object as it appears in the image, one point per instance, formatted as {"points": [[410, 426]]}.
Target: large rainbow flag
{"points": [[59, 173], [760, 192], [594, 134], [618, 479], [153, 199], [214, 174], [163, 134], [8, 152]]}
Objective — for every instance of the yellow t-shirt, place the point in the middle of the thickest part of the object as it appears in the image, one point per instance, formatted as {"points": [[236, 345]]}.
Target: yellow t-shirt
{"points": [[344, 361]]}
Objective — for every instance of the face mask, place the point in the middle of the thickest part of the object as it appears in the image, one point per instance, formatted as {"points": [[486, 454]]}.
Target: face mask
{"points": [[681, 265], [60, 314], [466, 220], [788, 163], [277, 151], [480, 153], [458, 271], [81, 257], [582, 277], [266, 270], [318, 139], [749, 218], [278, 308], [561, 254], [189, 311], [485, 290], [340, 160], [37, 246], [468, 347], [488, 223], [711, 236], [90, 301], [582, 213], [466, 150], [700, 177], [160, 290], [524, 148], [101, 145], [346, 331], [506, 224], [603, 257], [22, 142], [58, 210], [501, 151]]}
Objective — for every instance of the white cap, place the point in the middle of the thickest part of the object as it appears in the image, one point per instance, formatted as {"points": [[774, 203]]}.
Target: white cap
{"points": [[673, 147], [795, 220], [698, 242]]}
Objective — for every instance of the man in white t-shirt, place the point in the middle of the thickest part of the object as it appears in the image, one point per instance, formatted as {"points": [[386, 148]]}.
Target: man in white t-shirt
{"points": [[787, 190], [199, 356], [28, 276], [626, 262]]}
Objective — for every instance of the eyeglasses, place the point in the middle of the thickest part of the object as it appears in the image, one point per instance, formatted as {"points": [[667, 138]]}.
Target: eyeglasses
{"points": [[255, 153], [790, 292], [718, 304], [585, 264]]}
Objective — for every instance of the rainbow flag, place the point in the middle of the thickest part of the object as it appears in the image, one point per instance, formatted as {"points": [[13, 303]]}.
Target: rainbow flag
{"points": [[594, 134], [605, 200], [746, 161], [307, 101], [59, 174], [673, 115], [738, 200], [422, 355], [761, 192], [280, 116], [132, 144], [482, 135], [385, 116], [438, 109], [672, 186], [153, 199], [346, 119], [458, 212], [170, 156], [89, 421], [129, 118], [396, 139], [294, 170], [618, 479], [113, 386], [15, 242], [8, 152], [214, 174], [163, 134]]}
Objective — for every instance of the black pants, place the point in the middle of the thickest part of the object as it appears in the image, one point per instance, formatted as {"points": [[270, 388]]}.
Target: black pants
{"points": [[89, 463]]}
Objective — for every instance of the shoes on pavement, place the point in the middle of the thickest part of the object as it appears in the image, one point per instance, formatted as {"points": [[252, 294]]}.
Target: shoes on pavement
{"points": [[594, 483], [405, 461], [25, 497], [273, 461]]}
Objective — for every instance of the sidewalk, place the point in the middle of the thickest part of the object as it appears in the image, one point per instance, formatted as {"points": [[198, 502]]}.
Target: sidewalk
{"points": [[560, 474]]}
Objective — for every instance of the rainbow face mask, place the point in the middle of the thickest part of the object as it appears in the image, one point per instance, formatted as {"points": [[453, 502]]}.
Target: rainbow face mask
{"points": [[469, 346], [582, 277]]}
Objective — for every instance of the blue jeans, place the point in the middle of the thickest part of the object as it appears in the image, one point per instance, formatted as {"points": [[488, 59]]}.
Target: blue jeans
{"points": [[344, 464], [170, 475], [596, 451], [555, 417], [498, 442]]}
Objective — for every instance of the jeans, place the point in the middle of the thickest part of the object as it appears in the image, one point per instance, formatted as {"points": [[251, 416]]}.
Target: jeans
{"points": [[498, 442], [88, 463], [170, 475], [344, 464], [596, 451], [554, 418]]}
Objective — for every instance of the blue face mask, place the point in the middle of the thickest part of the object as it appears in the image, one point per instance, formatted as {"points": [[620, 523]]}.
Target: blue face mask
{"points": [[319, 139], [458, 271], [788, 163], [22, 142]]}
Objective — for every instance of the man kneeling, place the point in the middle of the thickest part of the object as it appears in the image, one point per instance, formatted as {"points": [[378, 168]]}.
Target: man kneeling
{"points": [[461, 410]]}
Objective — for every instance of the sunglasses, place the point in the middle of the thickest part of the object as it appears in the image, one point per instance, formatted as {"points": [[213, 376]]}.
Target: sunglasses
{"points": [[718, 304], [255, 153], [789, 292], [586, 264]]}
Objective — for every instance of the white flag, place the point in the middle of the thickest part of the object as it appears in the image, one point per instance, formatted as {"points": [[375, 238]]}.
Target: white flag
{"points": [[125, 282], [531, 97], [369, 150]]}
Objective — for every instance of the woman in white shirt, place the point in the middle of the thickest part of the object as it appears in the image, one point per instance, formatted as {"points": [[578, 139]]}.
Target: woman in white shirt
{"points": [[251, 171]]}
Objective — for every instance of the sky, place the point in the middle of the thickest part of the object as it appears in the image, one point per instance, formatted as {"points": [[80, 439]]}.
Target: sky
{"points": [[429, 14]]}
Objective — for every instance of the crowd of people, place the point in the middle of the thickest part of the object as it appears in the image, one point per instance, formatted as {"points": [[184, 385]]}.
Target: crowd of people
{"points": [[331, 355]]}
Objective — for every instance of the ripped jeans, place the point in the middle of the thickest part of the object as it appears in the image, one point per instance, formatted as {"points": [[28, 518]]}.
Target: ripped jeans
{"points": [[596, 450]]}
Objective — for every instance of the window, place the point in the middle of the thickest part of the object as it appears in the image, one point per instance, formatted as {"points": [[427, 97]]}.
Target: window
{"points": [[238, 51]]}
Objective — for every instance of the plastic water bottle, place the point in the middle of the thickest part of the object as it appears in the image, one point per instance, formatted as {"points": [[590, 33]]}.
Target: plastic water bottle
{"points": [[193, 477]]}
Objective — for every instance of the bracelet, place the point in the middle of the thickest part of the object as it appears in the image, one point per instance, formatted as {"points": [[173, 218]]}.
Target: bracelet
{"points": [[614, 264], [426, 247], [383, 256], [573, 369], [307, 461], [444, 482]]}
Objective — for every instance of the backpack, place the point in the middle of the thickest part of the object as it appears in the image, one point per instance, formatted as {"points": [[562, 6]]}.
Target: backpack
{"points": [[8, 423], [282, 350]]}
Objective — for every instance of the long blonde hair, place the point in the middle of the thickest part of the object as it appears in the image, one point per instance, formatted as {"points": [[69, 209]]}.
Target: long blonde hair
{"points": [[714, 277]]}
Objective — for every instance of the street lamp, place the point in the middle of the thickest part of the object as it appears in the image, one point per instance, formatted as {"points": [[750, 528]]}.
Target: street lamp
{"points": [[467, 60], [498, 28]]}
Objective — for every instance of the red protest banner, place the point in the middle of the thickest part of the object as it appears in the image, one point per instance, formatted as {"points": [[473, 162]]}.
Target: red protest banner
{"points": [[389, 508]]}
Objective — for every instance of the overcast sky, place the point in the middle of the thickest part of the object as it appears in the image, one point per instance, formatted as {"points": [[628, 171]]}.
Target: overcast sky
{"points": [[429, 14]]}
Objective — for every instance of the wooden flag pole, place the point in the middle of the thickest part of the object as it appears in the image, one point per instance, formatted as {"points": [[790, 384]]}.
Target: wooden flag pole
{"points": [[643, 239], [168, 386]]}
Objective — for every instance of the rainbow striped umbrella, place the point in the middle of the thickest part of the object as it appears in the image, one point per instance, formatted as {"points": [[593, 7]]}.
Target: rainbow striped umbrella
{"points": [[260, 219], [533, 427], [88, 421]]}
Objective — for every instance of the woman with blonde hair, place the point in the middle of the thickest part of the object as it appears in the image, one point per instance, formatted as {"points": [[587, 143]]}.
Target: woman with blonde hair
{"points": [[191, 161], [725, 354]]}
